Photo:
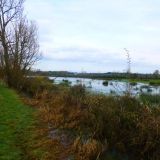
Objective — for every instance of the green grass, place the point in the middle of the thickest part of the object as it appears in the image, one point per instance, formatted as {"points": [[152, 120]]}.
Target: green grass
{"points": [[150, 99], [136, 80], [16, 119], [155, 81]]}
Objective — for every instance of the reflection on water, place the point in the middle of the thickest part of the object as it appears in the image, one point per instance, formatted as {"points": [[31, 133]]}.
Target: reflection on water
{"points": [[113, 87]]}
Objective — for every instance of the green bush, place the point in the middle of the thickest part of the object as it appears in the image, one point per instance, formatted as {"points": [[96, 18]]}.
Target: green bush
{"points": [[35, 85]]}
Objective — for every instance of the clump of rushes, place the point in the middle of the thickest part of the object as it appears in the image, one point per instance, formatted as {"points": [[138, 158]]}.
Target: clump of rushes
{"points": [[133, 83], [105, 83], [65, 82]]}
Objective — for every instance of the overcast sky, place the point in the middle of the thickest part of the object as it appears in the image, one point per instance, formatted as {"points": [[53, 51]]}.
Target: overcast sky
{"points": [[90, 35]]}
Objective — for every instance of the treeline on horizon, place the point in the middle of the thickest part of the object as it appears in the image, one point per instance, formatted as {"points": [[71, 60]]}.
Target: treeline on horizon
{"points": [[108, 75]]}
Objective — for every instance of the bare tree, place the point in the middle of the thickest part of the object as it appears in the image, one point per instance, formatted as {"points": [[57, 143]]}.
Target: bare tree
{"points": [[24, 48], [128, 86], [128, 60], [18, 41]]}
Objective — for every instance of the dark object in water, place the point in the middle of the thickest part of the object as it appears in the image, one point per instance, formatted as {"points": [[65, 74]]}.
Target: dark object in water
{"points": [[133, 83], [105, 83]]}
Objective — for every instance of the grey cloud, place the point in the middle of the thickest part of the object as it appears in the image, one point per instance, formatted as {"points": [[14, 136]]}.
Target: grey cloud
{"points": [[88, 55]]}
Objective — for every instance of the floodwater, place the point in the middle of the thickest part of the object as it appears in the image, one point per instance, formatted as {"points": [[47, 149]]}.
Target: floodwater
{"points": [[114, 87]]}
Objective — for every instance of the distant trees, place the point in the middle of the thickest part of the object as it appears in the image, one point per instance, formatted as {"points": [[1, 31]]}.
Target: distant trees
{"points": [[156, 73], [19, 48]]}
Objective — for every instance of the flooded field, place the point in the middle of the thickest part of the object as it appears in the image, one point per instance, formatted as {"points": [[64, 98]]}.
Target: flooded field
{"points": [[109, 87]]}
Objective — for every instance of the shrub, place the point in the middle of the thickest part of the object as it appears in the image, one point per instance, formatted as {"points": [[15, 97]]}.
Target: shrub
{"points": [[35, 85]]}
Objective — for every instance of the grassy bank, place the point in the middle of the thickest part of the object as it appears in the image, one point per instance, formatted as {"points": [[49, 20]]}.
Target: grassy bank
{"points": [[16, 123], [136, 80], [149, 81]]}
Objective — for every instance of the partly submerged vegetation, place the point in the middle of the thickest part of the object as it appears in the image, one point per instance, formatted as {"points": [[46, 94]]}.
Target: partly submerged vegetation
{"points": [[105, 83]]}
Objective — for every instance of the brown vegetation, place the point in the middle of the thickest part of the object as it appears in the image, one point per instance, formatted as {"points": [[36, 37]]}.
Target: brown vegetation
{"points": [[89, 126]]}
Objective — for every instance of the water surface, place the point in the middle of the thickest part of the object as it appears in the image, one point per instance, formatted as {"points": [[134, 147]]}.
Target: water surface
{"points": [[113, 87]]}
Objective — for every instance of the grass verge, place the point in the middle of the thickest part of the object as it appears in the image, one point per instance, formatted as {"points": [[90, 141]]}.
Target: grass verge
{"points": [[16, 124]]}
